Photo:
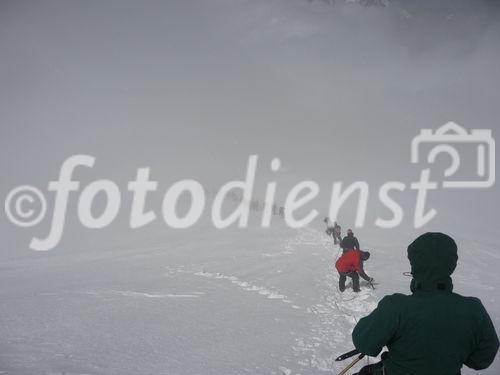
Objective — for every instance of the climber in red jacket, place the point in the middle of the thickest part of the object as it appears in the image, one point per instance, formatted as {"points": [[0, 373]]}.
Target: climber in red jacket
{"points": [[351, 264]]}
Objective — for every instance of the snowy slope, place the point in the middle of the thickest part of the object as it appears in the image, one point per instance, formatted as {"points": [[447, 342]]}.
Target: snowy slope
{"points": [[205, 302]]}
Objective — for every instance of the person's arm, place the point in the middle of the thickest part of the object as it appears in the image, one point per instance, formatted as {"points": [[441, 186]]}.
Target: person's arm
{"points": [[486, 343], [376, 330], [356, 243], [361, 271]]}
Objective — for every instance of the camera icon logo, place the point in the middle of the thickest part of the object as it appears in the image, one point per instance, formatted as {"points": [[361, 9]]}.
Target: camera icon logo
{"points": [[446, 139]]}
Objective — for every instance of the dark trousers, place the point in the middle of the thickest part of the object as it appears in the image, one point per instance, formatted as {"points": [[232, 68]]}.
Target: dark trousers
{"points": [[355, 280]]}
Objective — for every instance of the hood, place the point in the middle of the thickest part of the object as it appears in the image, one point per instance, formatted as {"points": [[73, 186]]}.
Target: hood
{"points": [[433, 258]]}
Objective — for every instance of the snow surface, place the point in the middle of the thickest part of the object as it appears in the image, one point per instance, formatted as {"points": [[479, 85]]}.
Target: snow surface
{"points": [[253, 301]]}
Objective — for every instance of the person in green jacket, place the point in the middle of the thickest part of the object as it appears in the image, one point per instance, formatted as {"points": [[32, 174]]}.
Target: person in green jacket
{"points": [[433, 331]]}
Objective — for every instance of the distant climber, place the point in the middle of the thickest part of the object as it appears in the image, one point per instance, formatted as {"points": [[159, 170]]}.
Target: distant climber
{"points": [[329, 228], [337, 233], [349, 242], [282, 211], [333, 231]]}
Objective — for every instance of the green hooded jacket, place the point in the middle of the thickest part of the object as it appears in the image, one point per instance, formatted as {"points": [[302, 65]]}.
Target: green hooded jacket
{"points": [[432, 331]]}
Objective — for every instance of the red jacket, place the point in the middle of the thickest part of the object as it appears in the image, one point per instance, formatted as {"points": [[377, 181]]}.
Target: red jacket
{"points": [[350, 261]]}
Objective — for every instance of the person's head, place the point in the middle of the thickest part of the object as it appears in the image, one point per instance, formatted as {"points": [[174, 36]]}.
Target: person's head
{"points": [[349, 232], [433, 258], [365, 255], [326, 220]]}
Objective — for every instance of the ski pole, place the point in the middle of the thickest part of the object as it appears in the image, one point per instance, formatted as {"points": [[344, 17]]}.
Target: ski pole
{"points": [[344, 371], [371, 284]]}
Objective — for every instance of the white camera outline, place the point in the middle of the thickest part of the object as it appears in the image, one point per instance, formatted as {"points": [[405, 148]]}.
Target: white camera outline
{"points": [[454, 133]]}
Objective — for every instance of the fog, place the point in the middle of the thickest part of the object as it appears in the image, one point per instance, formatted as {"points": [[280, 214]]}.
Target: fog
{"points": [[336, 90], [192, 88]]}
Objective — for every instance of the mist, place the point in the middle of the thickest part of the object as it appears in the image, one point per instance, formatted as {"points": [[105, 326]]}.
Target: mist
{"points": [[336, 90], [191, 89]]}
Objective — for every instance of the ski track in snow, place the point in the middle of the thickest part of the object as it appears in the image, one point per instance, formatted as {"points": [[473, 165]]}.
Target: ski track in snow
{"points": [[126, 293], [249, 287], [272, 255], [306, 236]]}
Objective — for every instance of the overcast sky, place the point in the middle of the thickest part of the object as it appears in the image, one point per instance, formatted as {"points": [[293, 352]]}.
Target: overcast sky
{"points": [[192, 88]]}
